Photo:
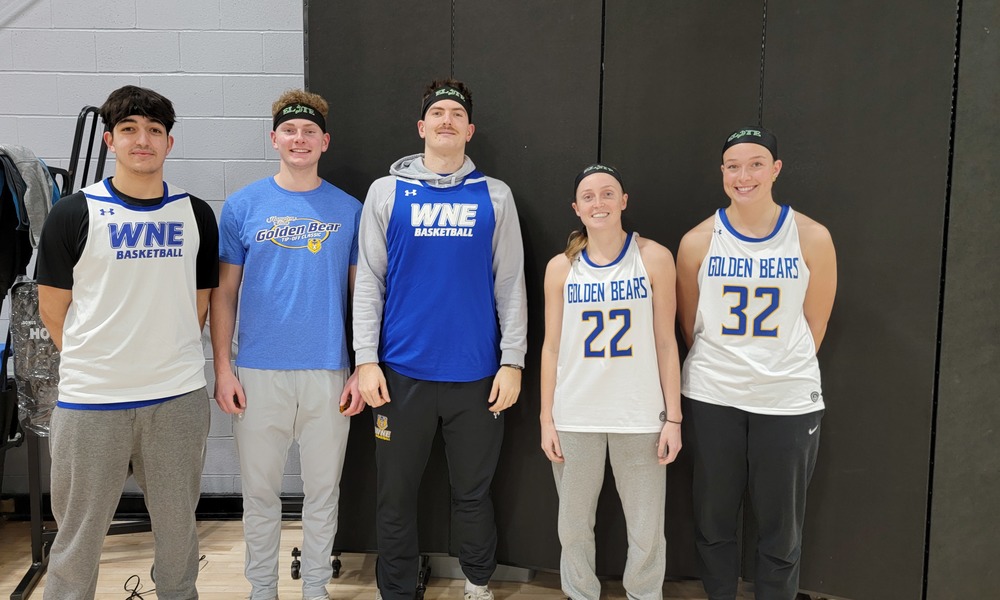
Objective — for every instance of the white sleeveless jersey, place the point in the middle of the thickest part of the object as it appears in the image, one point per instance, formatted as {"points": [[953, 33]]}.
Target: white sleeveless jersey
{"points": [[753, 349], [607, 378], [131, 332]]}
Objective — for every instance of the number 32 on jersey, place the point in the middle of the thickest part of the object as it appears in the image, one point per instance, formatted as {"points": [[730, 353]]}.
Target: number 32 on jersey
{"points": [[741, 298]]}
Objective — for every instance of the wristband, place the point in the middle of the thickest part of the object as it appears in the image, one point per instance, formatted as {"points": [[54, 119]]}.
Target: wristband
{"points": [[512, 366]]}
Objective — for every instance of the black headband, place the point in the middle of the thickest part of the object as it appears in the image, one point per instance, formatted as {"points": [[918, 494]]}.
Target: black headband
{"points": [[297, 110], [598, 168], [446, 93], [753, 135]]}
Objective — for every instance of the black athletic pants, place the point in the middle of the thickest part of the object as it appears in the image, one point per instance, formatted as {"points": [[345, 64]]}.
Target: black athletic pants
{"points": [[405, 429], [774, 456]]}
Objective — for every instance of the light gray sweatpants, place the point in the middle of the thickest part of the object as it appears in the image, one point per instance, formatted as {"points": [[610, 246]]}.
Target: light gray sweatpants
{"points": [[282, 406], [641, 483], [91, 451]]}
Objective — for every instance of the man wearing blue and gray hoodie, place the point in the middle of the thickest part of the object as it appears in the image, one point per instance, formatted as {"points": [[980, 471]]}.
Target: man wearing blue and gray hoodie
{"points": [[440, 324]]}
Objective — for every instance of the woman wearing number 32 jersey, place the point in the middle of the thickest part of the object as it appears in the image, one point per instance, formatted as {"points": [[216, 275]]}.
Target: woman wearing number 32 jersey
{"points": [[755, 288]]}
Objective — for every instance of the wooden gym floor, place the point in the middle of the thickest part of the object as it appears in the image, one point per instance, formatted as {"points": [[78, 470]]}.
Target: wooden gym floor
{"points": [[222, 569]]}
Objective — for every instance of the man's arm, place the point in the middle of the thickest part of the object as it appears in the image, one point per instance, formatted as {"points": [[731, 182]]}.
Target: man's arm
{"points": [[53, 304], [369, 290], [510, 296], [351, 401], [508, 276], [203, 298], [64, 236], [225, 298]]}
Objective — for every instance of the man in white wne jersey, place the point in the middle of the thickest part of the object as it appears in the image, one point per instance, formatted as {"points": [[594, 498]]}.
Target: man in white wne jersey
{"points": [[755, 288], [125, 269], [610, 385]]}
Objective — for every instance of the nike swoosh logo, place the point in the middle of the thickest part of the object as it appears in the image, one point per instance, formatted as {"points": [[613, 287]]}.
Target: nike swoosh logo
{"points": [[813, 430]]}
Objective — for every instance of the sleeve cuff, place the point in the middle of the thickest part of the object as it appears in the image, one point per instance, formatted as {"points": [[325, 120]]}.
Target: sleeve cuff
{"points": [[365, 355], [512, 357]]}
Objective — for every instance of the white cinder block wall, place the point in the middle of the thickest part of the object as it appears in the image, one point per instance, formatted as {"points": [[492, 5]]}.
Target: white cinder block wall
{"points": [[221, 62]]}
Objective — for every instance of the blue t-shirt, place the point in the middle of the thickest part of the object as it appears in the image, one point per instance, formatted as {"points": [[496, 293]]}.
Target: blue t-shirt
{"points": [[296, 249], [440, 316]]}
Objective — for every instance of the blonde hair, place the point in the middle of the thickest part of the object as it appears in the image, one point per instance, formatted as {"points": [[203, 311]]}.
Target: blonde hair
{"points": [[297, 96], [576, 243]]}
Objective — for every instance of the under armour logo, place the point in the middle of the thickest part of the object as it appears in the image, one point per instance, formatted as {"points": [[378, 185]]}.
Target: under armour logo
{"points": [[410, 192], [109, 211]]}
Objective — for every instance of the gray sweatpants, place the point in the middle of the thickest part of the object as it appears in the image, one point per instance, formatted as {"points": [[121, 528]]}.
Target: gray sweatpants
{"points": [[282, 406], [641, 483], [91, 451]]}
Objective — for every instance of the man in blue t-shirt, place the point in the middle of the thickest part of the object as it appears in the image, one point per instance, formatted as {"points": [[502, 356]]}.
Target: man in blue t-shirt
{"points": [[440, 303], [292, 242]]}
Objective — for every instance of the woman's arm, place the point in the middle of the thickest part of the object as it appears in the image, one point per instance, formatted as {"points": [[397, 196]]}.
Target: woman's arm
{"points": [[694, 246], [660, 267], [821, 258], [555, 278]]}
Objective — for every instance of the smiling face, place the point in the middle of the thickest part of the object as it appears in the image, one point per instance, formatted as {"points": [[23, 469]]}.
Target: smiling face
{"points": [[140, 145], [748, 172], [600, 202], [300, 143], [446, 128]]}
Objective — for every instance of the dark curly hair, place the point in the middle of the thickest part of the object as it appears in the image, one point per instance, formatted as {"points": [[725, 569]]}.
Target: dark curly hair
{"points": [[134, 100]]}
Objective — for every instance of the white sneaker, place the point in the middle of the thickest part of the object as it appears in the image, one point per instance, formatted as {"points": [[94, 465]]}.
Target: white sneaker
{"points": [[378, 594], [325, 596], [480, 592]]}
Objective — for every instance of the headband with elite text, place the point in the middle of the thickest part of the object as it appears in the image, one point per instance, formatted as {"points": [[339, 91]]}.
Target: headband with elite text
{"points": [[598, 168], [297, 110], [753, 135], [446, 93]]}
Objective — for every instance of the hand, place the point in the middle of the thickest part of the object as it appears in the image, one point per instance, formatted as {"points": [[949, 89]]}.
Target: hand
{"points": [[229, 393], [351, 401], [669, 444], [371, 384], [550, 443], [506, 387]]}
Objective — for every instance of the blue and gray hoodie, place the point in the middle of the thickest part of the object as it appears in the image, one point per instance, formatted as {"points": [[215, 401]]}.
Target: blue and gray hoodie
{"points": [[439, 293]]}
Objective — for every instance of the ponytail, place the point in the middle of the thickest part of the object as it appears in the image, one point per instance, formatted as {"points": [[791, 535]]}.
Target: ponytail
{"points": [[576, 243]]}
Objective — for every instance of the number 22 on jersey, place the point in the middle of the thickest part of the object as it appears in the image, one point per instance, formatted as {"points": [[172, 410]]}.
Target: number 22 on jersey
{"points": [[622, 315]]}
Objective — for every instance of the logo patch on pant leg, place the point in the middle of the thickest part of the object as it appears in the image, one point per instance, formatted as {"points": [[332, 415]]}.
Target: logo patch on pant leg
{"points": [[382, 428]]}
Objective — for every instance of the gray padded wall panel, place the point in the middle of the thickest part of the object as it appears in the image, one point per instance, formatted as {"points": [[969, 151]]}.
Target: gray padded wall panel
{"points": [[678, 77], [965, 535], [860, 97]]}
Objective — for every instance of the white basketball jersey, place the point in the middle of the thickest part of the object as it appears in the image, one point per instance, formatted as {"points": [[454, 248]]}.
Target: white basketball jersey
{"points": [[753, 349], [131, 332], [607, 378]]}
